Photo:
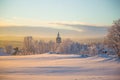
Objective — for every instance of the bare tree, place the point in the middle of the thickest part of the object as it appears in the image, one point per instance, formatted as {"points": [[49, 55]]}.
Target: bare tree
{"points": [[113, 37]]}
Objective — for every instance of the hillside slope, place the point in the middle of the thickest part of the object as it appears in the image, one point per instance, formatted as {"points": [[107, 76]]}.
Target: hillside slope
{"points": [[58, 67]]}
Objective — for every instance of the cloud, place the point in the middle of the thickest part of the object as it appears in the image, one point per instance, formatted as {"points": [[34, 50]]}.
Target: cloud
{"points": [[25, 26], [65, 25], [83, 26]]}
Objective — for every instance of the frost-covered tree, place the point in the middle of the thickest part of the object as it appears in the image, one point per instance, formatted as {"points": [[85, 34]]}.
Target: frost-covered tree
{"points": [[65, 46], [29, 44], [36, 47], [70, 47], [75, 48], [113, 37], [51, 45], [41, 46]]}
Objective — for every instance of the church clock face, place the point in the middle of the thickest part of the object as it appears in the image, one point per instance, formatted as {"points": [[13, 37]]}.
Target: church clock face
{"points": [[58, 40]]}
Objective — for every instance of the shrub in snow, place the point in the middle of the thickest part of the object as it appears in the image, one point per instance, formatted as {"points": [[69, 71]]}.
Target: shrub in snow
{"points": [[84, 56]]}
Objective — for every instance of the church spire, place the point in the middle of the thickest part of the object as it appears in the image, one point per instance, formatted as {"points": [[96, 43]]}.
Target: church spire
{"points": [[58, 35], [58, 39]]}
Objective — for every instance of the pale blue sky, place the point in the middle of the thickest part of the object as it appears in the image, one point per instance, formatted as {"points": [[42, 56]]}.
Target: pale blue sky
{"points": [[71, 17], [89, 11]]}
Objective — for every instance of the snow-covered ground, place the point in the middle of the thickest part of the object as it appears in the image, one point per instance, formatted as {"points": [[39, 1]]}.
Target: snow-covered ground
{"points": [[4, 54], [58, 67]]}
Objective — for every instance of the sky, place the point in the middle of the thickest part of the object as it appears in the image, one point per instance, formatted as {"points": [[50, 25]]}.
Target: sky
{"points": [[72, 18]]}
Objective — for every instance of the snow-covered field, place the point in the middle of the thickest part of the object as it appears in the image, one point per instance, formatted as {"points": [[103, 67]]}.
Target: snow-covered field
{"points": [[58, 67]]}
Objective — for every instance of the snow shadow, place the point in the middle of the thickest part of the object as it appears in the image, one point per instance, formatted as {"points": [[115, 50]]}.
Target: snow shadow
{"points": [[60, 70], [46, 58]]}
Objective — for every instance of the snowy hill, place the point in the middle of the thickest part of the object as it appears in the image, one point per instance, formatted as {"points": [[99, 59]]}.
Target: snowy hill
{"points": [[58, 67]]}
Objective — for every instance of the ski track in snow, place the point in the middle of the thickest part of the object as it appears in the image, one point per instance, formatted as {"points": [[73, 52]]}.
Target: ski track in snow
{"points": [[58, 67]]}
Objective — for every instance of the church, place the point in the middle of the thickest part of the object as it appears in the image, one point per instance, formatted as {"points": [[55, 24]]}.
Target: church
{"points": [[58, 39]]}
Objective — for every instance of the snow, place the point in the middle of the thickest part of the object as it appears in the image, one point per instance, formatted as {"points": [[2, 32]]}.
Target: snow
{"points": [[58, 67], [3, 54]]}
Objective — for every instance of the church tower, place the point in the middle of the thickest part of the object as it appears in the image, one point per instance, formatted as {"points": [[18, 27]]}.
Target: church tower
{"points": [[58, 38], [58, 41]]}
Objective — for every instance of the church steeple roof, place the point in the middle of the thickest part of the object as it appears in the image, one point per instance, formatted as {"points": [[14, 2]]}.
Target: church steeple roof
{"points": [[58, 35]]}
